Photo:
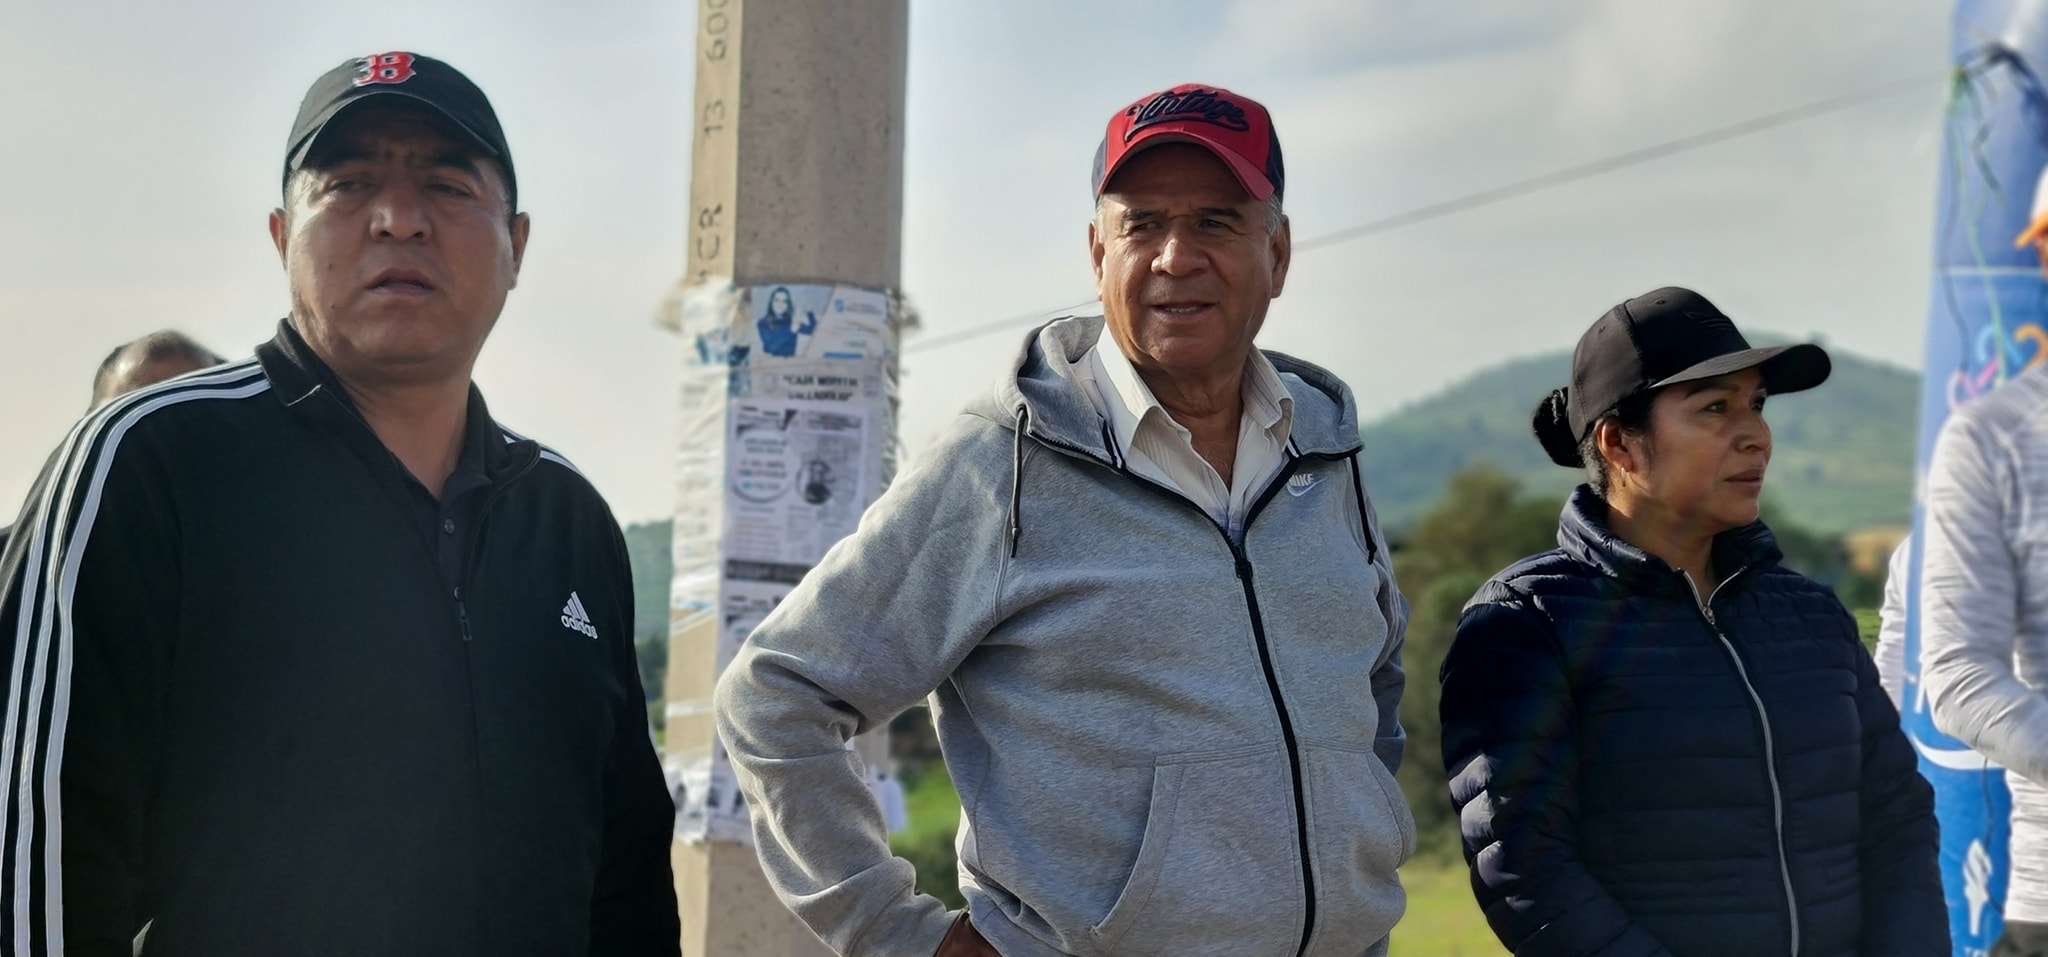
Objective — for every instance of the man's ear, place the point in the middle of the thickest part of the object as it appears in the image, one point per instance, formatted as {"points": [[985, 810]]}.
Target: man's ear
{"points": [[280, 232], [522, 225], [1095, 251], [1283, 253]]}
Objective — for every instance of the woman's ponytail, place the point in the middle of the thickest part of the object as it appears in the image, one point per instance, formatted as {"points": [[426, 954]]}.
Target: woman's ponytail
{"points": [[1553, 428]]}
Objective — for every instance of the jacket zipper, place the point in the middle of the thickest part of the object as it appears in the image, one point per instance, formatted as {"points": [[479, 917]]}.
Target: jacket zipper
{"points": [[497, 488], [1770, 749], [1243, 563], [486, 878], [476, 547], [1308, 877], [461, 606]]}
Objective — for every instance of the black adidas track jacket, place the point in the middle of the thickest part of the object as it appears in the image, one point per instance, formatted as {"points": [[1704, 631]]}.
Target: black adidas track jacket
{"points": [[253, 702]]}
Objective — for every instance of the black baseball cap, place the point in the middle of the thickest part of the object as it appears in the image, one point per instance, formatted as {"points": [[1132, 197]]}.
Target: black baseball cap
{"points": [[1660, 338], [421, 79]]}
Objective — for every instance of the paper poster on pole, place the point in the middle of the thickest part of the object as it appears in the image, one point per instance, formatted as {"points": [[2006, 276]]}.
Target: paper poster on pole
{"points": [[788, 435], [796, 476], [709, 805], [746, 604], [809, 322], [707, 797]]}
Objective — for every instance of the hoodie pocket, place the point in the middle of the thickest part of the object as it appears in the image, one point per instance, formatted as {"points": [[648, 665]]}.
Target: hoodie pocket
{"points": [[1218, 870], [1362, 832]]}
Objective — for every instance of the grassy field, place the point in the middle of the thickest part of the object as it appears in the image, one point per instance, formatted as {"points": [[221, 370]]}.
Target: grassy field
{"points": [[1866, 625], [1442, 920], [934, 812]]}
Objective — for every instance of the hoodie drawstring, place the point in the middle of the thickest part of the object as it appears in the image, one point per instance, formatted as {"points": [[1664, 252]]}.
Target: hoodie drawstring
{"points": [[1017, 479], [1372, 547]]}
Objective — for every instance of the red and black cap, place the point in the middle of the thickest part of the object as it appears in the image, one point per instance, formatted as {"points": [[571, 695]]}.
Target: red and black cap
{"points": [[421, 79], [1235, 128], [1660, 338]]}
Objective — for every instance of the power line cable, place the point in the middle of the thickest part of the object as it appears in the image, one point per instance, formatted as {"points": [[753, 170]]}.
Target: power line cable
{"points": [[994, 325], [1520, 188], [1573, 174]]}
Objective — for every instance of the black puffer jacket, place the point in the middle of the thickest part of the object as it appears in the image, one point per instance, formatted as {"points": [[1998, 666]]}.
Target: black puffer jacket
{"points": [[1637, 776]]}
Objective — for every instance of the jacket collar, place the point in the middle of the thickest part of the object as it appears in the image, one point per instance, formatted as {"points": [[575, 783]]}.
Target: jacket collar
{"points": [[1046, 383], [1583, 534], [306, 385], [1132, 404]]}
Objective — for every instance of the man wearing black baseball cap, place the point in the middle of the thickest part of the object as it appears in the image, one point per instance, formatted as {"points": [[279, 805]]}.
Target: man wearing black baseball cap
{"points": [[310, 655], [1145, 582]]}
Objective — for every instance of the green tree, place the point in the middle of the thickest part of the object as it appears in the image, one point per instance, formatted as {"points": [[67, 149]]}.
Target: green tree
{"points": [[647, 548], [1481, 524], [1807, 552], [1433, 619]]}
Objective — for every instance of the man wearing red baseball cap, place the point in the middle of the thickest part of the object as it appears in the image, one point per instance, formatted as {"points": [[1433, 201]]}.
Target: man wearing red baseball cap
{"points": [[1143, 583]]}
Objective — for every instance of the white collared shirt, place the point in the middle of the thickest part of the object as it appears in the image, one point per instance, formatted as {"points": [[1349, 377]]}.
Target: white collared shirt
{"points": [[1155, 447]]}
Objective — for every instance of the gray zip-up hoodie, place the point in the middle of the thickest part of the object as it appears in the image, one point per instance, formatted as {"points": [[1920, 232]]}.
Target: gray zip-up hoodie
{"points": [[1165, 742]]}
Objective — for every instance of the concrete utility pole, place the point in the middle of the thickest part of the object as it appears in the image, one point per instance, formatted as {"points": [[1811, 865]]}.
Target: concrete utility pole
{"points": [[796, 181]]}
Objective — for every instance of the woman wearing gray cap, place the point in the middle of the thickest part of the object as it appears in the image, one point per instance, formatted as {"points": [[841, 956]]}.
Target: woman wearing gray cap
{"points": [[1659, 740]]}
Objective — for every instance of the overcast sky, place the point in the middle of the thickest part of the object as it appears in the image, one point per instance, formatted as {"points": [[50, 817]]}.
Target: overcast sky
{"points": [[143, 142]]}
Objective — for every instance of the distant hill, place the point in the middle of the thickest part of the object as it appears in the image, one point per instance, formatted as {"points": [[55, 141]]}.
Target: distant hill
{"points": [[647, 547], [1843, 455]]}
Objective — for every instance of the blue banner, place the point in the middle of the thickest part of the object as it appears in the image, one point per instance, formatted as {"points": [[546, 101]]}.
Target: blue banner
{"points": [[1985, 320]]}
